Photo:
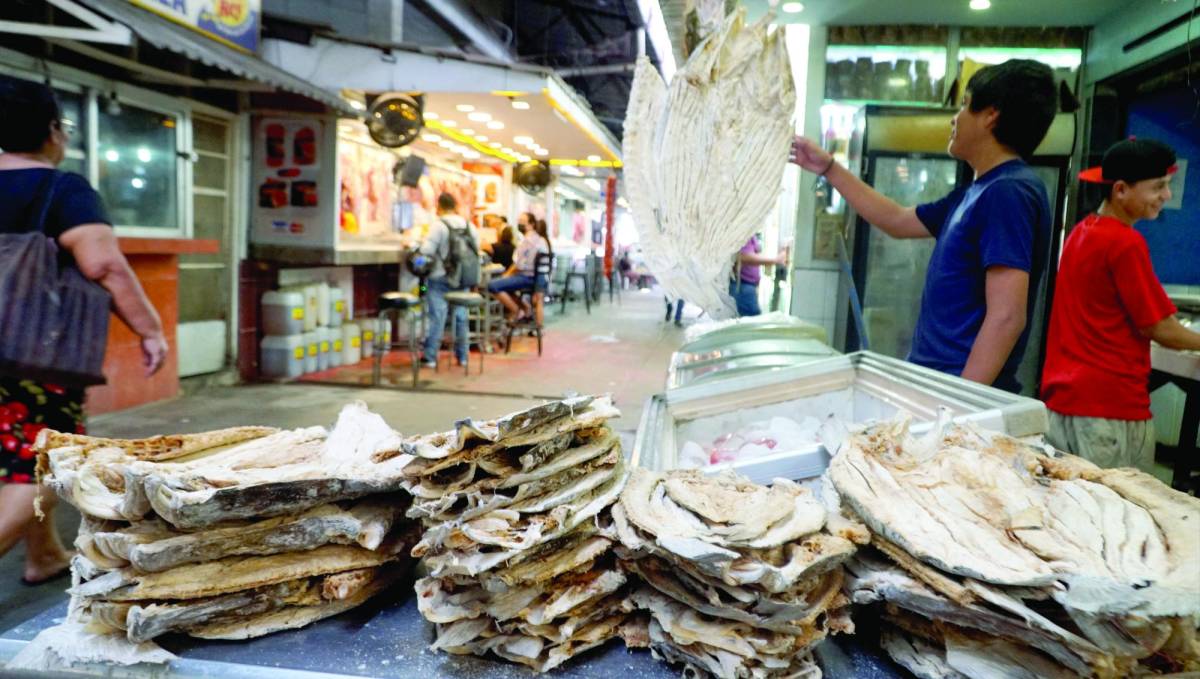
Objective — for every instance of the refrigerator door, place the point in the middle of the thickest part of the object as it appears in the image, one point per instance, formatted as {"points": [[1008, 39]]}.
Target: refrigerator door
{"points": [[892, 273]]}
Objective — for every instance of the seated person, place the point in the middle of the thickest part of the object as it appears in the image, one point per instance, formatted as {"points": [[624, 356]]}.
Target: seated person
{"points": [[502, 250], [520, 275]]}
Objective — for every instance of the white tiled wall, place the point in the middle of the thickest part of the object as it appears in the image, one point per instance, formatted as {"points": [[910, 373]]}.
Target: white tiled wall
{"points": [[814, 297]]}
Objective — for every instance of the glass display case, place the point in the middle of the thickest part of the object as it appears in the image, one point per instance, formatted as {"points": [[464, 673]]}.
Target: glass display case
{"points": [[895, 272]]}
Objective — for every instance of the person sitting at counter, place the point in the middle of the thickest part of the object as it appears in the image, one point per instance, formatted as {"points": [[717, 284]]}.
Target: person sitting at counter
{"points": [[520, 275], [1108, 305], [502, 250], [992, 235], [437, 245]]}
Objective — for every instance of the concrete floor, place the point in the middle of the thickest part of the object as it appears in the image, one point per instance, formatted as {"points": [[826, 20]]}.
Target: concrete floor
{"points": [[621, 349]]}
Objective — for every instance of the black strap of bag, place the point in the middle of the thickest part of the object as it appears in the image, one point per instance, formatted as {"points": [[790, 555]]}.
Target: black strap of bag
{"points": [[53, 320]]}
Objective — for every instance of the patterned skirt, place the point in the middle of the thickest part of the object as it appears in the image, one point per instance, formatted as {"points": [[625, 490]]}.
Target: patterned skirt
{"points": [[26, 408]]}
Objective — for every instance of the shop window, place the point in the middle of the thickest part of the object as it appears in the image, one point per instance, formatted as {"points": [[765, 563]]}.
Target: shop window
{"points": [[73, 106], [139, 165]]}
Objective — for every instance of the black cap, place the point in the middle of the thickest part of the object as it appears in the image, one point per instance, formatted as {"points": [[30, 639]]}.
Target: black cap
{"points": [[1132, 161]]}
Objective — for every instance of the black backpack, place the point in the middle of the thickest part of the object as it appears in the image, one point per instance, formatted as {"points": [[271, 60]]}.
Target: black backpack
{"points": [[462, 258]]}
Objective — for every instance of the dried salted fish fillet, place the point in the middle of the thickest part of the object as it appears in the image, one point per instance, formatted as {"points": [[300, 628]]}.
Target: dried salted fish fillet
{"points": [[760, 610], [725, 510], [924, 658], [155, 546], [565, 559], [521, 428], [494, 493], [872, 580], [145, 622], [294, 617], [228, 575], [473, 561], [280, 473], [532, 651], [702, 175], [989, 508], [156, 448]]}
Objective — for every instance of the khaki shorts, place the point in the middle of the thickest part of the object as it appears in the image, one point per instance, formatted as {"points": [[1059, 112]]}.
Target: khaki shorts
{"points": [[1107, 443]]}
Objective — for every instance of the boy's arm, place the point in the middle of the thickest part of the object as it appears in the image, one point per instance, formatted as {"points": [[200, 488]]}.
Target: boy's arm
{"points": [[1006, 293], [1170, 333], [894, 219]]}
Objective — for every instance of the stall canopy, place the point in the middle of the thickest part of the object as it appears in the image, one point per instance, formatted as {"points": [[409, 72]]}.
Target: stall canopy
{"points": [[507, 112], [166, 35]]}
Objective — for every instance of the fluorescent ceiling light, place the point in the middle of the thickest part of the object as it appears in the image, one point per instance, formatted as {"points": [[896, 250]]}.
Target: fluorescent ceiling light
{"points": [[449, 123], [471, 154], [467, 130], [508, 150], [479, 116], [594, 159], [495, 144], [792, 7], [495, 125], [357, 105], [446, 144], [465, 108], [523, 140], [431, 137], [542, 152], [980, 5], [520, 105], [481, 137], [430, 115]]}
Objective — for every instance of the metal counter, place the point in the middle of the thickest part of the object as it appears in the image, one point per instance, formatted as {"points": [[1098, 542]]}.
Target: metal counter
{"points": [[387, 638]]}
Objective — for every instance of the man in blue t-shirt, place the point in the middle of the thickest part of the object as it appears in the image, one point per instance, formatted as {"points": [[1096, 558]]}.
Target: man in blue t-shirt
{"points": [[992, 235]]}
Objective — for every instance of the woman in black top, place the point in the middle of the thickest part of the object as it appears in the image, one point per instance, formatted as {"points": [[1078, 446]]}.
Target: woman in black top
{"points": [[503, 248], [34, 139]]}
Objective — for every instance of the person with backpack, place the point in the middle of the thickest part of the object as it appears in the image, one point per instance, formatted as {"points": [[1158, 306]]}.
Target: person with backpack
{"points": [[35, 198], [453, 245]]}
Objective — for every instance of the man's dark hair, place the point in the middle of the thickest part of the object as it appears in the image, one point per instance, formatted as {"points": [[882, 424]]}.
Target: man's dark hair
{"points": [[27, 110], [1023, 92], [447, 203]]}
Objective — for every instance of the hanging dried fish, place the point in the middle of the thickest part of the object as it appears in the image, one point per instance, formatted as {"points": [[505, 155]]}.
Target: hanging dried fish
{"points": [[705, 155]]}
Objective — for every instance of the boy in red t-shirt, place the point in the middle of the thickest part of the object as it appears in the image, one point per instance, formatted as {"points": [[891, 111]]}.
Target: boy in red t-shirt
{"points": [[1108, 305]]}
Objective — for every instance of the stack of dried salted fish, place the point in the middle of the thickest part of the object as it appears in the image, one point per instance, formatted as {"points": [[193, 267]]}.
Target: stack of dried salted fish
{"points": [[516, 566], [741, 580], [705, 156], [231, 534], [996, 559]]}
